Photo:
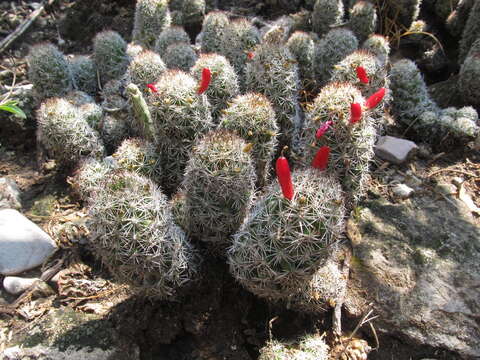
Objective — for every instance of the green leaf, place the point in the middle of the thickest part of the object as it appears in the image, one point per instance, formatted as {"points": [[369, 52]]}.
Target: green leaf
{"points": [[11, 106]]}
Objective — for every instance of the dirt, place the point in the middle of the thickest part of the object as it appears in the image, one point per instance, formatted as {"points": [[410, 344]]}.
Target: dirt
{"points": [[217, 319]]}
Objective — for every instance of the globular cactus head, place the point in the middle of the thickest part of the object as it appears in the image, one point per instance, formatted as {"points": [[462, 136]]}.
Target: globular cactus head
{"points": [[87, 108], [65, 133], [179, 115], [224, 81], [363, 19], [134, 235], [49, 71], [110, 53], [151, 18], [351, 144], [193, 12], [302, 47], [139, 156], [332, 48], [326, 13], [282, 242], [84, 72], [88, 176], [169, 36], [378, 45], [301, 21], [180, 56], [145, 68], [251, 116], [214, 25], [219, 187], [312, 347]]}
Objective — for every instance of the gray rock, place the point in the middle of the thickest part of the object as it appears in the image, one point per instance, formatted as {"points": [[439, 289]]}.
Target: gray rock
{"points": [[402, 191], [23, 245], [9, 194], [446, 189], [393, 149], [419, 263], [16, 285]]}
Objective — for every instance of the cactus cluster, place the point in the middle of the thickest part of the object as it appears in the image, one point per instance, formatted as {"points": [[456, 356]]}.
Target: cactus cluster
{"points": [[309, 348], [363, 20], [110, 52], [326, 14], [180, 56], [84, 73], [145, 68], [302, 47], [213, 27], [151, 18], [170, 36]]}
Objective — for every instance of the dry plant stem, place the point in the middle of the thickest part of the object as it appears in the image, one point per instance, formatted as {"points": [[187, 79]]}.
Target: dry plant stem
{"points": [[5, 43]]}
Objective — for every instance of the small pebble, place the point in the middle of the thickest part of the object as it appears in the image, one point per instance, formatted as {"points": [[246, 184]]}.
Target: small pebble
{"points": [[402, 191], [458, 181], [394, 150], [16, 285], [446, 189]]}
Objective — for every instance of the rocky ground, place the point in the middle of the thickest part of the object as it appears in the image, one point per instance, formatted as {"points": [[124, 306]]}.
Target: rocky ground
{"points": [[415, 246]]}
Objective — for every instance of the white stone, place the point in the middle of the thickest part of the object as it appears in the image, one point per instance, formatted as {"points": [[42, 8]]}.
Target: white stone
{"points": [[17, 285], [402, 191], [393, 149], [23, 245], [9, 194]]}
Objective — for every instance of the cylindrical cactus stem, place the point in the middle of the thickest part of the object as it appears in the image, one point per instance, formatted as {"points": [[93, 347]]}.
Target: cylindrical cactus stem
{"points": [[251, 116], [193, 12], [213, 27], [49, 71], [86, 107], [283, 242], [180, 56], [180, 115], [332, 48], [151, 18], [136, 239], [88, 176], [84, 72], [224, 81], [169, 36], [142, 123], [378, 45], [363, 20], [219, 187], [145, 68], [326, 13], [302, 47], [457, 19], [471, 32], [110, 53]]}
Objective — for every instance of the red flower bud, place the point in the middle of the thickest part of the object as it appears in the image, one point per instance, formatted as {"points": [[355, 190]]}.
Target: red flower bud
{"points": [[284, 177], [320, 161], [323, 129], [375, 99], [362, 75], [152, 88], [250, 55], [206, 77], [355, 113]]}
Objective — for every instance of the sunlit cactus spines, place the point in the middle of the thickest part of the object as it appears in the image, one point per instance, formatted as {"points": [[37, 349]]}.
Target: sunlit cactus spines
{"points": [[134, 49], [88, 176], [139, 156], [282, 242], [378, 45], [469, 77], [179, 214], [84, 72], [223, 84], [49, 71], [145, 68], [275, 35], [302, 47], [151, 18], [363, 20], [240, 38], [273, 72], [110, 53], [326, 13], [409, 91], [332, 48], [214, 25], [65, 133], [87, 108], [169, 36], [179, 117], [351, 145], [219, 186], [114, 129], [133, 232], [251, 116], [180, 56], [309, 348]]}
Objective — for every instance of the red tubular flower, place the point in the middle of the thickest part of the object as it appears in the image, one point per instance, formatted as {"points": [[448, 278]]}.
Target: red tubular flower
{"points": [[152, 88], [323, 129], [375, 99], [355, 113], [320, 161], [284, 176], [362, 75], [206, 77], [250, 55]]}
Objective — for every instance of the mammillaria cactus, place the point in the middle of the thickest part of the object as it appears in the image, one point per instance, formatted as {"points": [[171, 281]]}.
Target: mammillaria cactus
{"points": [[180, 56], [88, 176], [469, 82], [84, 72], [151, 18], [332, 48], [65, 133], [273, 72], [114, 129], [214, 25], [302, 47], [219, 186], [193, 12], [169, 36], [224, 82], [110, 53], [179, 115], [145, 68], [351, 143], [363, 20], [135, 237], [309, 348], [49, 71], [240, 38], [87, 108], [378, 45], [326, 13], [283, 242], [251, 117], [457, 19]]}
